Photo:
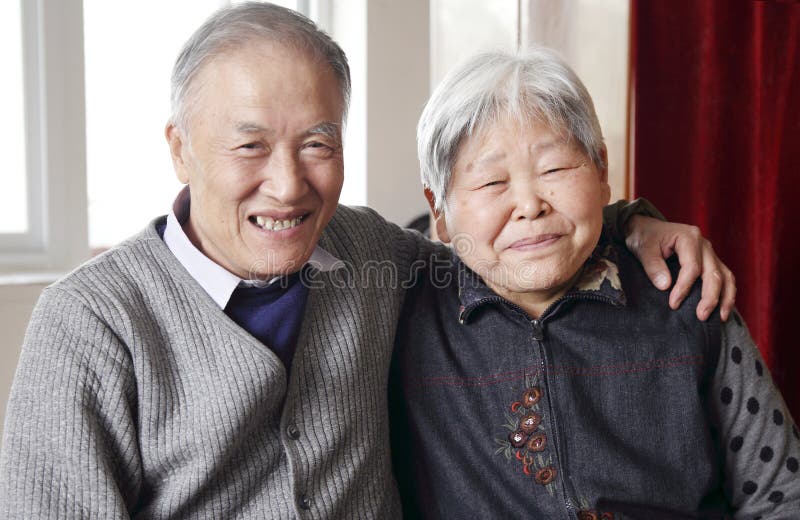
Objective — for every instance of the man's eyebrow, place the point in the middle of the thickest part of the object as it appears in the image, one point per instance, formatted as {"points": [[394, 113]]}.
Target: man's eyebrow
{"points": [[328, 129], [251, 128]]}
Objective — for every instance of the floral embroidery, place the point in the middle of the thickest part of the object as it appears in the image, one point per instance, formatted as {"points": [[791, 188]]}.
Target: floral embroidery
{"points": [[598, 269], [526, 441], [594, 515], [531, 396], [530, 422], [546, 475], [537, 443], [587, 513]]}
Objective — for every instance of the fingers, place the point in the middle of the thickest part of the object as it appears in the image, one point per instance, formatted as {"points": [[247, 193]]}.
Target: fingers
{"points": [[652, 241], [719, 285], [655, 266], [728, 294], [709, 297], [650, 255], [690, 271], [690, 250]]}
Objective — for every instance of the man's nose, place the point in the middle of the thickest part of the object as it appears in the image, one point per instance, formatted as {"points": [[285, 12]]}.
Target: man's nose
{"points": [[284, 177], [529, 203]]}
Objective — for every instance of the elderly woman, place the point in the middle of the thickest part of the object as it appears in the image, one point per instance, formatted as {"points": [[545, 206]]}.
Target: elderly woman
{"points": [[542, 375]]}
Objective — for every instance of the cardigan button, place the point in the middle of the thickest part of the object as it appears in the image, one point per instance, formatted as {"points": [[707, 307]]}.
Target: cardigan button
{"points": [[305, 502], [293, 432]]}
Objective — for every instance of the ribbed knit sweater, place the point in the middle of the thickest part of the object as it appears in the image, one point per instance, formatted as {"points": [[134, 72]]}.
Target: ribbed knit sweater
{"points": [[136, 396]]}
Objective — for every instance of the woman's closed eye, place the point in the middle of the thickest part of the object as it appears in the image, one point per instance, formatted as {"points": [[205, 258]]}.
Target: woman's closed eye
{"points": [[489, 184], [563, 168]]}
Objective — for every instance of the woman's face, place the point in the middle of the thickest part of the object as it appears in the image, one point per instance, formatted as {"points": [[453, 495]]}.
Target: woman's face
{"points": [[524, 210]]}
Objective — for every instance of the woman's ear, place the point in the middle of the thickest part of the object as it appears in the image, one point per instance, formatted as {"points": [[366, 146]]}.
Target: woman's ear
{"points": [[439, 222], [606, 187]]}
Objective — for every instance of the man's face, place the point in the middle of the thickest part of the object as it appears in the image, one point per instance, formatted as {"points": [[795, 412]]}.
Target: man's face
{"points": [[524, 209], [263, 158]]}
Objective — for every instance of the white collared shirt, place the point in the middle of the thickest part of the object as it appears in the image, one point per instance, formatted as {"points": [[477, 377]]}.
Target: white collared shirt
{"points": [[217, 281]]}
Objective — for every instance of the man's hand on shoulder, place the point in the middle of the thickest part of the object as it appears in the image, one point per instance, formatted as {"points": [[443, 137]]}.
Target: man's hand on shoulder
{"points": [[653, 240]]}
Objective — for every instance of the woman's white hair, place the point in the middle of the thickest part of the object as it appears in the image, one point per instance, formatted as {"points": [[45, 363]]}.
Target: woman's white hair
{"points": [[532, 85], [234, 27]]}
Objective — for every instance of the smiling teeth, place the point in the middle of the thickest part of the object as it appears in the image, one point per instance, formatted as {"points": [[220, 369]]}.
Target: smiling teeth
{"points": [[271, 224]]}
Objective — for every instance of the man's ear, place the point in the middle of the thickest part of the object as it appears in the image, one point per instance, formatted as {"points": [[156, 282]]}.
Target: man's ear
{"points": [[178, 149], [439, 223]]}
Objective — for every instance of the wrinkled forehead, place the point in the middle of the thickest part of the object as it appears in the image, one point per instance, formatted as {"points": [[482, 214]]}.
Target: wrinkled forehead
{"points": [[279, 59], [515, 126]]}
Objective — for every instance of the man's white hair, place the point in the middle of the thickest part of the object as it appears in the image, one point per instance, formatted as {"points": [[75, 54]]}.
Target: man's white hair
{"points": [[231, 28], [532, 85]]}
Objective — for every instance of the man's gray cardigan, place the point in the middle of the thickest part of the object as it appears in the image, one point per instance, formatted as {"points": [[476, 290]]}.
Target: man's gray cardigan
{"points": [[137, 396]]}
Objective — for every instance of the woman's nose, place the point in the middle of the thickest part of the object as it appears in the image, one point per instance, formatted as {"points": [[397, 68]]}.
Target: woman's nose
{"points": [[529, 204]]}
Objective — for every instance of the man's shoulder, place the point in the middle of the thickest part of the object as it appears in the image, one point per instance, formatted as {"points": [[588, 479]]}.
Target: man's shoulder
{"points": [[124, 268], [360, 218], [358, 234]]}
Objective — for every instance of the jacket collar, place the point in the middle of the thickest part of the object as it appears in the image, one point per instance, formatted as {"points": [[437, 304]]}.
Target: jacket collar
{"points": [[599, 281]]}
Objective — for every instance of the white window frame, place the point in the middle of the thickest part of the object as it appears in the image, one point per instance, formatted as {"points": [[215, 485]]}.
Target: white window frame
{"points": [[55, 115], [57, 236]]}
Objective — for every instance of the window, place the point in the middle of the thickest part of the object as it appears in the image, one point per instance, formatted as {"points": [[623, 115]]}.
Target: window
{"points": [[95, 81], [43, 39], [13, 196]]}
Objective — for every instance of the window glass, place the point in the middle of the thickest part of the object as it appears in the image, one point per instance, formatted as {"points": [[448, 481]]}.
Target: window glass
{"points": [[462, 28], [130, 48], [13, 195]]}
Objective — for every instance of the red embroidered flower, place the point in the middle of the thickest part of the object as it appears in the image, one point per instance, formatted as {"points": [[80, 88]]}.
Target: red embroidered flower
{"points": [[588, 515], [545, 475], [537, 442], [527, 460], [517, 438], [531, 396], [530, 422], [607, 516], [515, 406]]}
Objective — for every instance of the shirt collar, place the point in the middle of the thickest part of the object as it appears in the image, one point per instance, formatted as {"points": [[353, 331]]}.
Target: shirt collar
{"points": [[599, 281], [217, 281]]}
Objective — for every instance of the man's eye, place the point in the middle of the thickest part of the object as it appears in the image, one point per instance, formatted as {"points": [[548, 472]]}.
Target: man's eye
{"points": [[554, 170], [319, 149], [317, 145], [251, 146]]}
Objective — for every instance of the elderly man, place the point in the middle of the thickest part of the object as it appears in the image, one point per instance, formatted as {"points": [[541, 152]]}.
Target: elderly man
{"points": [[218, 365]]}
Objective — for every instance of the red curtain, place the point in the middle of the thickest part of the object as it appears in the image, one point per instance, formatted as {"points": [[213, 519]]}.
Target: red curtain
{"points": [[716, 90]]}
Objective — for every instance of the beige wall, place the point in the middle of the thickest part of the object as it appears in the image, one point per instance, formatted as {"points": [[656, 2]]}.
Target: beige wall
{"points": [[592, 36], [16, 304]]}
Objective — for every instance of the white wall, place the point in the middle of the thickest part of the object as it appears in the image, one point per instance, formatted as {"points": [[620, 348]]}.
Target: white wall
{"points": [[388, 46], [16, 304], [593, 37]]}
